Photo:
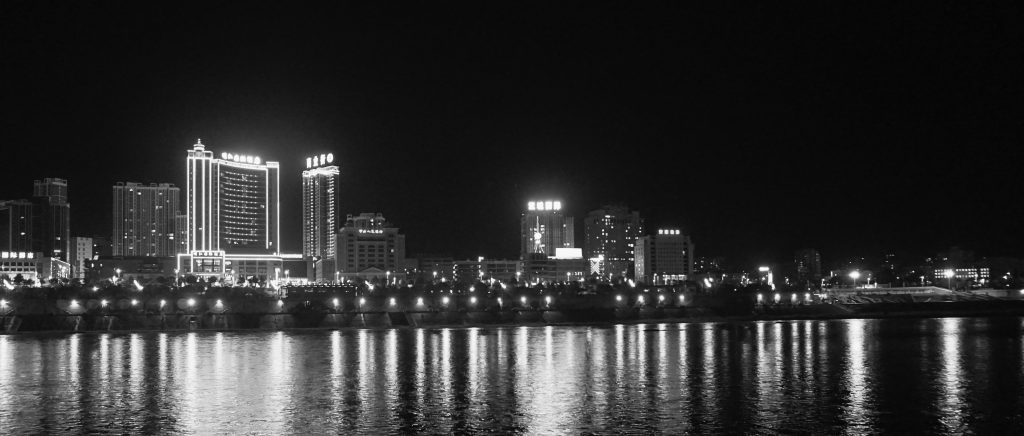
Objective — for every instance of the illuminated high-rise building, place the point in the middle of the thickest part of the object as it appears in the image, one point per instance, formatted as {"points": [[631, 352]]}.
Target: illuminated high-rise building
{"points": [[320, 214], [145, 219], [664, 258], [544, 228], [808, 267], [610, 234], [232, 215]]}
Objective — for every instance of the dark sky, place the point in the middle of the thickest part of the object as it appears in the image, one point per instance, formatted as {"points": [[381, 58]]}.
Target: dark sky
{"points": [[758, 129]]}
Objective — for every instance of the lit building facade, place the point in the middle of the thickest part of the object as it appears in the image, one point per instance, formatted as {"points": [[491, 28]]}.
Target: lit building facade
{"points": [[320, 214], [544, 228], [610, 235], [81, 251], [145, 219], [368, 246], [664, 258], [232, 212]]}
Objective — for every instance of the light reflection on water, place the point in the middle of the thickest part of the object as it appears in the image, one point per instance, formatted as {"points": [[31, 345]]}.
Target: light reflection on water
{"points": [[946, 376]]}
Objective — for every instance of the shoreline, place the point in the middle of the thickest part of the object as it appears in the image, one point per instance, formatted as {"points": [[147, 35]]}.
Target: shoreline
{"points": [[192, 325]]}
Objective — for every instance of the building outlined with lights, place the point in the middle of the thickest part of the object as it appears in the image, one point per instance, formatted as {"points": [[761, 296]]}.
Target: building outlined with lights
{"points": [[320, 215], [232, 216]]}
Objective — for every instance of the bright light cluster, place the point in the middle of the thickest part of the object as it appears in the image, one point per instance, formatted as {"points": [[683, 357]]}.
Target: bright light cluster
{"points": [[668, 232], [544, 205], [316, 161], [241, 158], [16, 255]]}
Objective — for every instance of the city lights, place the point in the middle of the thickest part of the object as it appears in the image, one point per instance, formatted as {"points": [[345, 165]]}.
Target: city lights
{"points": [[444, 300], [163, 303], [335, 302], [74, 304], [135, 302], [393, 302], [219, 304], [191, 302], [419, 301], [472, 300], [103, 303], [618, 298]]}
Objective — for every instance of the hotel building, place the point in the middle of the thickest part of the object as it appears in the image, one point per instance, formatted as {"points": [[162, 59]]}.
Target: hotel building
{"points": [[232, 216], [664, 258]]}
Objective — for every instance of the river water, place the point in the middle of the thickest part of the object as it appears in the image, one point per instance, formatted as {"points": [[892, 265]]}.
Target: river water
{"points": [[937, 376]]}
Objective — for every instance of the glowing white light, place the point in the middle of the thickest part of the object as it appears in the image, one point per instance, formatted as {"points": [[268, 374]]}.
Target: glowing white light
{"points": [[763, 269], [280, 303], [330, 157], [807, 296], [549, 205], [191, 302], [640, 299], [522, 299], [163, 303], [472, 300], [661, 298], [472, 289], [444, 300], [855, 275], [137, 285], [135, 302], [558, 205], [103, 303], [792, 298], [777, 297], [74, 304], [3, 304], [362, 301], [309, 162], [760, 298], [393, 302], [948, 273], [95, 288], [681, 298], [335, 301], [419, 301], [547, 300], [618, 298], [219, 304], [224, 155], [531, 205]]}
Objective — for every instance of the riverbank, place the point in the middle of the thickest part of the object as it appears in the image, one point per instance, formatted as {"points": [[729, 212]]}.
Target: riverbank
{"points": [[297, 318]]}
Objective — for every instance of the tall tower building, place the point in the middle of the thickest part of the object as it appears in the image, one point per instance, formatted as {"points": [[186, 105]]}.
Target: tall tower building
{"points": [[81, 251], [232, 215], [320, 213], [144, 219], [610, 234], [52, 218], [544, 228]]}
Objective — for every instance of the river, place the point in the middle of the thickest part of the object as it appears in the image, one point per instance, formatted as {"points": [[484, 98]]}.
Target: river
{"points": [[936, 376]]}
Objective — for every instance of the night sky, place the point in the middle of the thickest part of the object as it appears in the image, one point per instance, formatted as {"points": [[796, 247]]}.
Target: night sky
{"points": [[757, 129]]}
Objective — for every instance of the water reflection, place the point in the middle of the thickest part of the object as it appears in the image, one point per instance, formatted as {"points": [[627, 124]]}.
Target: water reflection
{"points": [[762, 377]]}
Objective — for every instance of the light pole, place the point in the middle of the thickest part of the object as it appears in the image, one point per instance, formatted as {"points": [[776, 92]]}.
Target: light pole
{"points": [[855, 275], [949, 275]]}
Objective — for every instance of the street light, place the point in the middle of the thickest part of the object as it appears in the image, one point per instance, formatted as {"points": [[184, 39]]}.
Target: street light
{"points": [[854, 275], [949, 275]]}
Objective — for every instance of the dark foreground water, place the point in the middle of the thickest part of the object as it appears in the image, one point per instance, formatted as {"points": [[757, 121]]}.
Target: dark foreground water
{"points": [[940, 376]]}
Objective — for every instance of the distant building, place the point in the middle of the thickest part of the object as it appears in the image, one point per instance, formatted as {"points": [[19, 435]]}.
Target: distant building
{"points": [[128, 269], [664, 258], [32, 266], [435, 267], [368, 246], [16, 219], [541, 268], [145, 219], [543, 228], [101, 247], [51, 229], [81, 251], [320, 213], [808, 267], [610, 235]]}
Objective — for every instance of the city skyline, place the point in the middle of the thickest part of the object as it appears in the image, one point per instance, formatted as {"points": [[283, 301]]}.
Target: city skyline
{"points": [[754, 159]]}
